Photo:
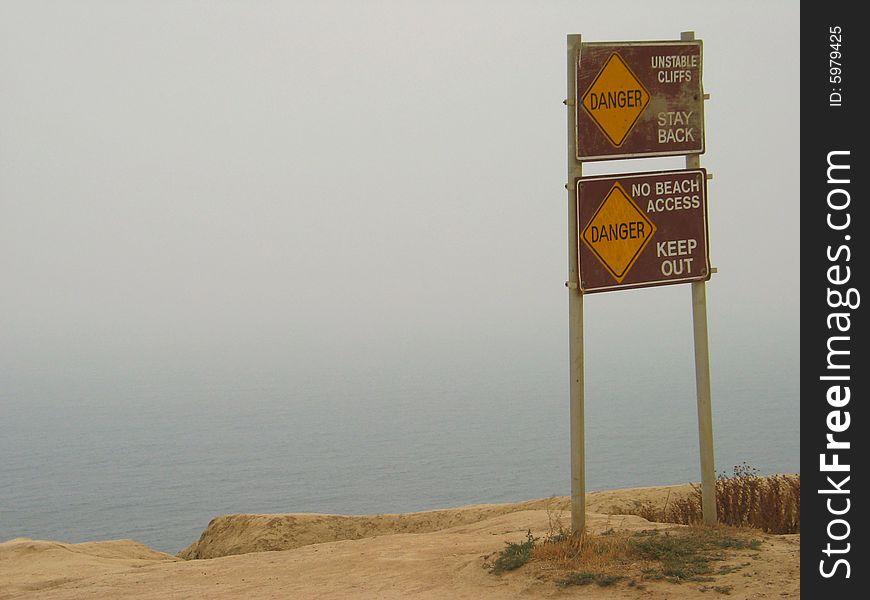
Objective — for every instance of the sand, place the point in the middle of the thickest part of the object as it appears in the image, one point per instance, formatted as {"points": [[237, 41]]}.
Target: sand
{"points": [[427, 555]]}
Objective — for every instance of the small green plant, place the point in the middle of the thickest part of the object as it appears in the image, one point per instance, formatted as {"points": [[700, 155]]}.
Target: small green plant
{"points": [[585, 578], [580, 578], [608, 580], [558, 537], [515, 555], [686, 557]]}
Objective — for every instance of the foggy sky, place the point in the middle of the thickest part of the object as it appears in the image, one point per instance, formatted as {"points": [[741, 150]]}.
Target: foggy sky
{"points": [[355, 183]]}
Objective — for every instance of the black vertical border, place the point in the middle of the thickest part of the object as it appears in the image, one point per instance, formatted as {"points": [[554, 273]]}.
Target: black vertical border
{"points": [[826, 128]]}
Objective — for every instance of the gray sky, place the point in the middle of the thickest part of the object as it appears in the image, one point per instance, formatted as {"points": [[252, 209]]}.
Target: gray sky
{"points": [[348, 182]]}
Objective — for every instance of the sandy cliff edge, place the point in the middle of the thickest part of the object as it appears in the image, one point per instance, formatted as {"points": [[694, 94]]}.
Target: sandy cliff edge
{"points": [[243, 533], [430, 555]]}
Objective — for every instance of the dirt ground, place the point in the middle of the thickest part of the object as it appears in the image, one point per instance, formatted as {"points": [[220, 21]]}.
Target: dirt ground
{"points": [[428, 555]]}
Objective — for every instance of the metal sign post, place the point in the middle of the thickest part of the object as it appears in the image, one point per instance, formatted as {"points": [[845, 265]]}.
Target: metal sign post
{"points": [[702, 375], [575, 309]]}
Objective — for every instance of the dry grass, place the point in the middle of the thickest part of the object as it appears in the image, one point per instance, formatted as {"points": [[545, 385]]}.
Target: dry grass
{"points": [[745, 499], [562, 549], [598, 553]]}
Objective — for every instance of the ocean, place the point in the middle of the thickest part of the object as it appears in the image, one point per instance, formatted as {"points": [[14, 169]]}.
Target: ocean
{"points": [[153, 454]]}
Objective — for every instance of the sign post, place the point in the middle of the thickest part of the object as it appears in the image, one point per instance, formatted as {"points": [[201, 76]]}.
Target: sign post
{"points": [[575, 310], [702, 375]]}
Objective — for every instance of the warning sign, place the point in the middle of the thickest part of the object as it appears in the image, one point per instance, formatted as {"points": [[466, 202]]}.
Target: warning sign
{"points": [[615, 99], [617, 232], [638, 99], [642, 229]]}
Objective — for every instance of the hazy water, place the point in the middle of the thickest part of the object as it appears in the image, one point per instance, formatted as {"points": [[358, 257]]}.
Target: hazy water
{"points": [[155, 454]]}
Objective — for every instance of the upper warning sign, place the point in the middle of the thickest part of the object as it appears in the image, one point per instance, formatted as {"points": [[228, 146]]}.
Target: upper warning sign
{"points": [[615, 99], [638, 99]]}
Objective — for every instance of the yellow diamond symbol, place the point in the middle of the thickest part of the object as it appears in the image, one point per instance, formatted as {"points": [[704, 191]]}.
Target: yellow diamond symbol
{"points": [[616, 99], [617, 232]]}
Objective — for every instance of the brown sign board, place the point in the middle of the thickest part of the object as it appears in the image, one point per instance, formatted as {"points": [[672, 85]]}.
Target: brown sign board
{"points": [[642, 229], [639, 99]]}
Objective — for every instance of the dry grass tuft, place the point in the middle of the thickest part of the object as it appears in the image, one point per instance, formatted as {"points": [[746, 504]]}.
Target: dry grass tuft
{"points": [[745, 499], [599, 553]]}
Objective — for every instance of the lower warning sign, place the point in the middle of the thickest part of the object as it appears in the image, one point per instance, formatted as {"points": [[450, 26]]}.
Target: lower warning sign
{"points": [[642, 229]]}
